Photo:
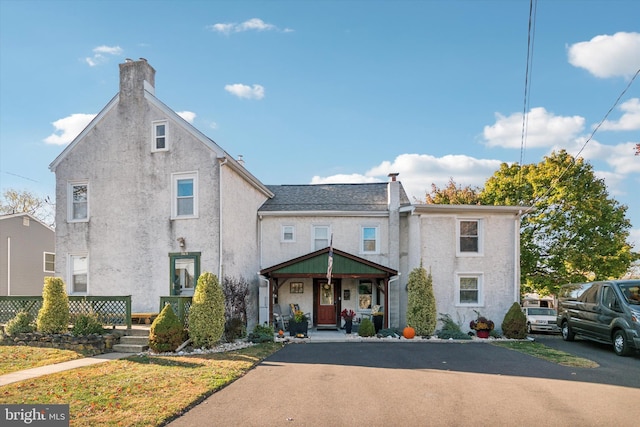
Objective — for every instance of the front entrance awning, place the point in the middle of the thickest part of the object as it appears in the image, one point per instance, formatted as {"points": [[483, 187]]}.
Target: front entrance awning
{"points": [[314, 265]]}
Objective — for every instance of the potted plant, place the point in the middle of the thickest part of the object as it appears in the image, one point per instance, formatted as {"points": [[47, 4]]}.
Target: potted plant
{"points": [[482, 326], [298, 324], [378, 317], [348, 316]]}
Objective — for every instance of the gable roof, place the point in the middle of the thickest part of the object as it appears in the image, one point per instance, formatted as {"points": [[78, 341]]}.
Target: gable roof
{"points": [[188, 127], [31, 217], [365, 197], [314, 264]]}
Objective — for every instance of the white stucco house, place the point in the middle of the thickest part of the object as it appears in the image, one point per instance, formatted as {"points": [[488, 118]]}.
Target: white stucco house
{"points": [[146, 202]]}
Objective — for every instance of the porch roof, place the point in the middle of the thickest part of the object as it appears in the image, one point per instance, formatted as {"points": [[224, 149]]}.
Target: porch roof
{"points": [[314, 264]]}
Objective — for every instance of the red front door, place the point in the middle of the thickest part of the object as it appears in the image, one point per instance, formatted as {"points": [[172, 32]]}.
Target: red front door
{"points": [[327, 304]]}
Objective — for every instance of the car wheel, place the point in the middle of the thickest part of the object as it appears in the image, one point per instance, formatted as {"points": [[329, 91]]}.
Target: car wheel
{"points": [[620, 344], [567, 333], [529, 331]]}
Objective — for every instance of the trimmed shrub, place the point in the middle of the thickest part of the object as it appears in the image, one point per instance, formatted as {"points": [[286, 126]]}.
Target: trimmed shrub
{"points": [[421, 305], [166, 332], [87, 324], [206, 314], [21, 323], [450, 329], [514, 324], [262, 333], [53, 316], [366, 328]]}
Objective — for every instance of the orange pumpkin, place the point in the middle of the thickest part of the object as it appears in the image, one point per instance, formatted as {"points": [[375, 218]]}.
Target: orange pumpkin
{"points": [[280, 333], [409, 333]]}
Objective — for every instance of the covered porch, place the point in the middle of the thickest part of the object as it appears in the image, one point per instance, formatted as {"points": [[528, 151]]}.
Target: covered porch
{"points": [[356, 284]]}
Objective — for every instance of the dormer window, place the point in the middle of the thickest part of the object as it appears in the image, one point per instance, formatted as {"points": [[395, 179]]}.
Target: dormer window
{"points": [[160, 140]]}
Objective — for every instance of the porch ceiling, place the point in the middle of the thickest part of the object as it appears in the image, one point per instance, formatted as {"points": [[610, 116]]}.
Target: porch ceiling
{"points": [[315, 264]]}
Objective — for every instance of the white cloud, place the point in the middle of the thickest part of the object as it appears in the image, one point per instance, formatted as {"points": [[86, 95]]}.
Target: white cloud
{"points": [[619, 157], [68, 128], [608, 56], [99, 54], [189, 116], [419, 171], [630, 119], [544, 129], [254, 24], [245, 91]]}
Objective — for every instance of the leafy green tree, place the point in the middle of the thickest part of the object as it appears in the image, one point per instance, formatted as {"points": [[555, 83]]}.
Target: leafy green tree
{"points": [[421, 305], [573, 232], [53, 316], [453, 194], [206, 314]]}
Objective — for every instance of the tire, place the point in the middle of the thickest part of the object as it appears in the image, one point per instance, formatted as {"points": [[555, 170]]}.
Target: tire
{"points": [[567, 332], [620, 343]]}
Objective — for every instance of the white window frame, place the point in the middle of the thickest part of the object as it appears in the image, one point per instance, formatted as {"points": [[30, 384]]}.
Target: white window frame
{"points": [[155, 136], [44, 262], [480, 281], [285, 230], [376, 239], [70, 202], [70, 279], [174, 194], [314, 239], [480, 237]]}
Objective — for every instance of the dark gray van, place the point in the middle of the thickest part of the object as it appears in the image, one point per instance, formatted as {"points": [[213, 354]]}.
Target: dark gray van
{"points": [[607, 312]]}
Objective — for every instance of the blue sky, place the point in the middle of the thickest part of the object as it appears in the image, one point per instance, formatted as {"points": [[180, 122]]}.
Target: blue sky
{"points": [[336, 91]]}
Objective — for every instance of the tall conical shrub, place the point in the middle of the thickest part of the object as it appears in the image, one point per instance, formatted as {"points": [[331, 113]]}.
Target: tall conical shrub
{"points": [[514, 324], [421, 305], [53, 316], [206, 315]]}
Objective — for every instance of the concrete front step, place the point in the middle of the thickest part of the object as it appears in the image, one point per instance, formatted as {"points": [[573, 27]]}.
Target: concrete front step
{"points": [[130, 348], [134, 340]]}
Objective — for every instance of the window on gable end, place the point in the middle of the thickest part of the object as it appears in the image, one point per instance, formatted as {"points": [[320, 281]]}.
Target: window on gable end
{"points": [[78, 201], [184, 195], [469, 289], [160, 136], [469, 233]]}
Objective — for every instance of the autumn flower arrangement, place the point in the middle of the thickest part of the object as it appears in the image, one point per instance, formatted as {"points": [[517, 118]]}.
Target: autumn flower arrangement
{"points": [[348, 314], [299, 317], [481, 323]]}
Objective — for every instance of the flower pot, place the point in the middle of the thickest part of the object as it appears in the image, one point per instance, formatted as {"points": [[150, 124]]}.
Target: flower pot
{"points": [[296, 328], [483, 333], [348, 325], [377, 322]]}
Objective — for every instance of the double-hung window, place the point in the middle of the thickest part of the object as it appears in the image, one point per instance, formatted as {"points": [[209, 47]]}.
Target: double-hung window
{"points": [[49, 262], [320, 237], [185, 195], [469, 289], [469, 233], [78, 280], [78, 201], [369, 240], [160, 141], [288, 234]]}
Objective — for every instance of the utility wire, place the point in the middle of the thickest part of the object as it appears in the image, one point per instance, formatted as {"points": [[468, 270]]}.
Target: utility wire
{"points": [[533, 5]]}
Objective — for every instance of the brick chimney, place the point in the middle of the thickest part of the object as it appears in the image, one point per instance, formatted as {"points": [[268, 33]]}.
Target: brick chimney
{"points": [[135, 77]]}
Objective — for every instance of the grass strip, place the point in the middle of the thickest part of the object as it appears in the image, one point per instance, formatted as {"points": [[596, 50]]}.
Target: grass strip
{"points": [[18, 358], [139, 390], [541, 351]]}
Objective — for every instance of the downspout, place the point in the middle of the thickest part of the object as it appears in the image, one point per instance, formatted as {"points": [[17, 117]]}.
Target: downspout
{"points": [[222, 163], [264, 302]]}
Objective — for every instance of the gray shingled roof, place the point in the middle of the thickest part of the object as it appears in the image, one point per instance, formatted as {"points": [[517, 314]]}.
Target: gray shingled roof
{"points": [[330, 197]]}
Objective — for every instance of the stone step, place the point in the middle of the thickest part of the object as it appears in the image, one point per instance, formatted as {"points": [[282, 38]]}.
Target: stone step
{"points": [[134, 340], [137, 332], [130, 348]]}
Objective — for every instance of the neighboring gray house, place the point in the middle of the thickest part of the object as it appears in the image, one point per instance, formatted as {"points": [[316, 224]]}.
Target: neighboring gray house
{"points": [[27, 254], [145, 202]]}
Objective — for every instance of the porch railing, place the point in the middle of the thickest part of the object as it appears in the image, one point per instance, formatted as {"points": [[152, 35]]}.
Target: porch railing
{"points": [[179, 305], [111, 310]]}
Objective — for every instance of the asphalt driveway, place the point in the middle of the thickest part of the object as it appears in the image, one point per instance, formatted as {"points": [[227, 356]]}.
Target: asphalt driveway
{"points": [[421, 384]]}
